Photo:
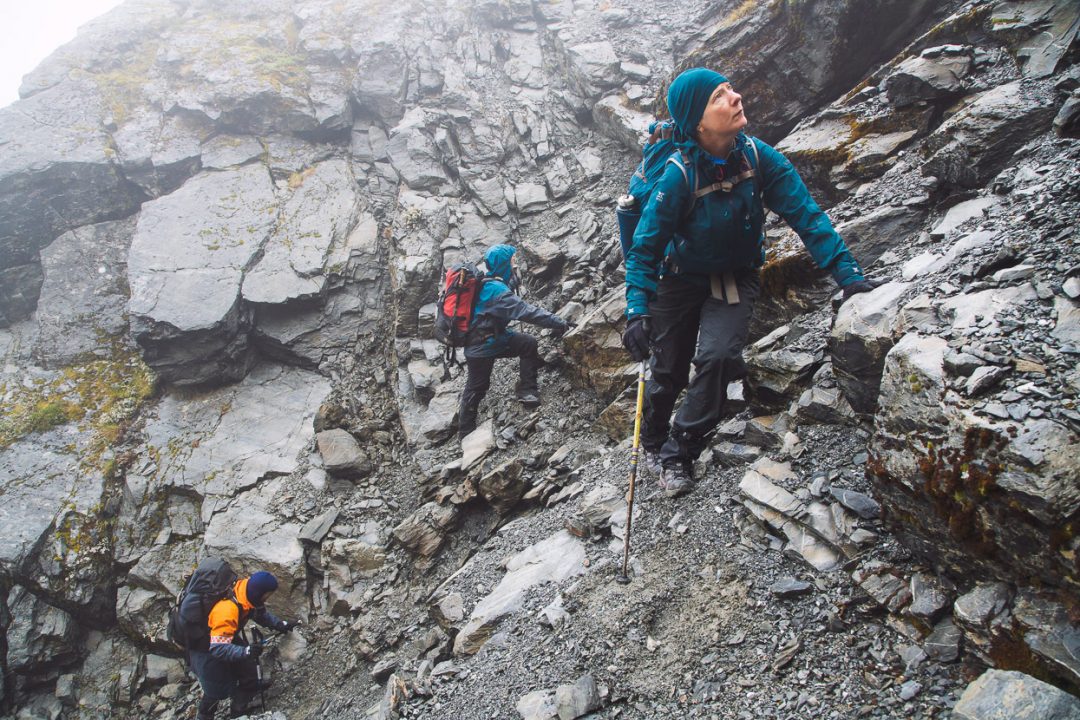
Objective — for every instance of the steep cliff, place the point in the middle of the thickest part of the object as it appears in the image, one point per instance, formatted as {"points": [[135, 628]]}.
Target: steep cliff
{"points": [[222, 226]]}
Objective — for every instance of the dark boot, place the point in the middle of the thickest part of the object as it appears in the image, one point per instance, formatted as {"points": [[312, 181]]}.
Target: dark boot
{"points": [[467, 420], [207, 707]]}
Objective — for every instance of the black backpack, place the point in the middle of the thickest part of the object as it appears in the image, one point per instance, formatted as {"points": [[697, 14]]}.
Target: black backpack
{"points": [[212, 581]]}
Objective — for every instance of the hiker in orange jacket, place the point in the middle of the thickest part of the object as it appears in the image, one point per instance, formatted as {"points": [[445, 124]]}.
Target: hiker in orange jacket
{"points": [[228, 668]]}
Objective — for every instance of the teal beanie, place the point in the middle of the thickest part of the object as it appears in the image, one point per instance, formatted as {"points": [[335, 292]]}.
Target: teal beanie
{"points": [[688, 97]]}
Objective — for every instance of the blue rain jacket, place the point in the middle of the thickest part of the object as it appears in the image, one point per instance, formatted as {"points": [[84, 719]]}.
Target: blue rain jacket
{"points": [[498, 306], [725, 230]]}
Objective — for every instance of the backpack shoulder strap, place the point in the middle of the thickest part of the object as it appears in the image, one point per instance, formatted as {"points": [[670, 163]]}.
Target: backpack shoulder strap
{"points": [[681, 161], [755, 166]]}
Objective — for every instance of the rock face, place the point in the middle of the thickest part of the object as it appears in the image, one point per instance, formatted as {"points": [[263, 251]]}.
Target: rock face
{"points": [[222, 231]]}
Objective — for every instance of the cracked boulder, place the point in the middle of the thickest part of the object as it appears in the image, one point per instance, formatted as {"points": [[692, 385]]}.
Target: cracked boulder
{"points": [[186, 266]]}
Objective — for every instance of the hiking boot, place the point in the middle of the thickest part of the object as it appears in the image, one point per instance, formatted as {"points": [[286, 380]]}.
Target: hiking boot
{"points": [[649, 461], [675, 480], [529, 398]]}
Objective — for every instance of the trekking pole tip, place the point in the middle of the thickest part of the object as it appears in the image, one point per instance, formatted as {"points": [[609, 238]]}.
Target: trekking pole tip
{"points": [[622, 579]]}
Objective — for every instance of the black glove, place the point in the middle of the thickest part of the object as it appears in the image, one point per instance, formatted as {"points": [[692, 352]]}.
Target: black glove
{"points": [[254, 651], [285, 626], [558, 332], [637, 336], [861, 286]]}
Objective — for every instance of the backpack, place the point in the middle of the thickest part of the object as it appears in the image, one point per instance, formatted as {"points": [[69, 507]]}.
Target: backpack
{"points": [[456, 304], [659, 150], [212, 581]]}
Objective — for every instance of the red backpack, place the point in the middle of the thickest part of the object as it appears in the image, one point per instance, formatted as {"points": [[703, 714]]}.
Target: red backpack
{"points": [[457, 301]]}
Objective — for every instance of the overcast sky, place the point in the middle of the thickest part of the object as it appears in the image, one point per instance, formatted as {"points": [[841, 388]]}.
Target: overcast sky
{"points": [[33, 29]]}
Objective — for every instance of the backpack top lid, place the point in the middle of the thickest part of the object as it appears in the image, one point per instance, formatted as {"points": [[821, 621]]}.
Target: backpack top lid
{"points": [[213, 576]]}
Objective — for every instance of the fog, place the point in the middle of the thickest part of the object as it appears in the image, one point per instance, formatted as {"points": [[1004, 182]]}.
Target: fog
{"points": [[32, 30]]}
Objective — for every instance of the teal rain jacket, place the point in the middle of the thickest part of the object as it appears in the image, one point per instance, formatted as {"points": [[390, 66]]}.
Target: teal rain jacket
{"points": [[724, 231], [498, 306]]}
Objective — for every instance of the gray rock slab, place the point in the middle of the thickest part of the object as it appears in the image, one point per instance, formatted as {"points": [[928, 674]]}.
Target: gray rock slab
{"points": [[223, 152], [318, 216], [84, 294], [262, 86], [414, 153], [801, 542], [1067, 321], [595, 64], [477, 444], [859, 503], [185, 268], [57, 171], [859, 341], [555, 559], [223, 441], [925, 78], [43, 484], [975, 144], [341, 453], [1039, 32], [979, 606], [159, 152], [39, 635], [874, 233], [913, 382], [190, 248], [961, 213], [580, 698], [790, 587], [254, 537], [537, 705], [315, 529], [962, 310], [1010, 695], [929, 600], [943, 642]]}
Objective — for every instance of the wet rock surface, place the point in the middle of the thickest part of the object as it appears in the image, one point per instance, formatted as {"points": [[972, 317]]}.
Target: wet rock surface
{"points": [[222, 234]]}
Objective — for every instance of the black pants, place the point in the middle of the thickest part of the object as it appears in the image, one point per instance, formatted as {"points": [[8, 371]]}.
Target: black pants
{"points": [[478, 380], [237, 681], [692, 326]]}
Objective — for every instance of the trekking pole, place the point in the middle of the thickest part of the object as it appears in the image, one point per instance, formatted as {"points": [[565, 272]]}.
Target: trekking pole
{"points": [[623, 578]]}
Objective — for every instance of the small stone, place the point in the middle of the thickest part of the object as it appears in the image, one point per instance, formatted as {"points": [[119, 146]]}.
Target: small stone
{"points": [[790, 587], [1014, 273], [909, 690], [943, 644], [316, 529], [574, 701], [859, 503], [384, 669], [983, 379]]}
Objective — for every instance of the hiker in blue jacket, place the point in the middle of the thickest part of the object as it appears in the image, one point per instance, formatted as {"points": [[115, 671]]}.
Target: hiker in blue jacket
{"points": [[489, 338], [692, 279]]}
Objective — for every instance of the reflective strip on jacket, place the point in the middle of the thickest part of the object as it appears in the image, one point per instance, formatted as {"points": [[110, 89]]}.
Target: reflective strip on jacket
{"points": [[226, 620], [724, 231]]}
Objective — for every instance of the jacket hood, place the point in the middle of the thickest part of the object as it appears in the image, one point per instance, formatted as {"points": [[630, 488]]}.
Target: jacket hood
{"points": [[497, 259], [240, 592]]}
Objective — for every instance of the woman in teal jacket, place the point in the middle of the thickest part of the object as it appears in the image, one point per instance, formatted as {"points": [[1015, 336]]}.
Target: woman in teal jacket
{"points": [[489, 337], [692, 269]]}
